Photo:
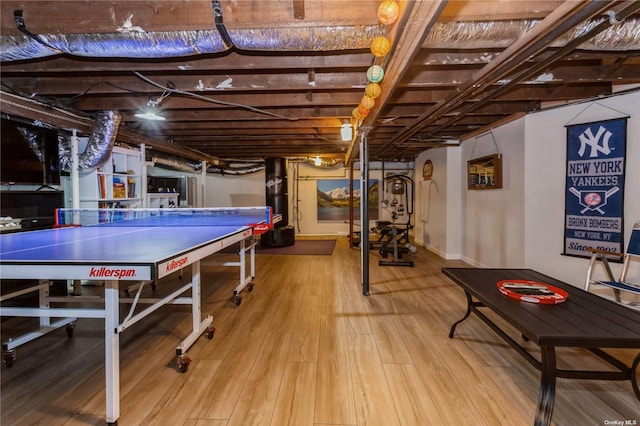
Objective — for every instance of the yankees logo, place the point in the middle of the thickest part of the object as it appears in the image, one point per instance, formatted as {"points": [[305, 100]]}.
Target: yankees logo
{"points": [[597, 143]]}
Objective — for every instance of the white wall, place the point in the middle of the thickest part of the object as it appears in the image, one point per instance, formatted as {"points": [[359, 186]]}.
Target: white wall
{"points": [[236, 191], [493, 220], [522, 224], [545, 169], [483, 227], [438, 203]]}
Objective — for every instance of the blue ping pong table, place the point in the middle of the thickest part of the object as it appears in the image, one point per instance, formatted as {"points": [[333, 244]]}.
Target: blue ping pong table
{"points": [[123, 245]]}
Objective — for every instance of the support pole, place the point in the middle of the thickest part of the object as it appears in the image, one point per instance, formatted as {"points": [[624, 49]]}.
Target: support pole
{"points": [[364, 210], [351, 218]]}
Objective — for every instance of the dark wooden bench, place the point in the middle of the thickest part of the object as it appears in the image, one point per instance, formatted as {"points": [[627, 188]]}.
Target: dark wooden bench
{"points": [[585, 320]]}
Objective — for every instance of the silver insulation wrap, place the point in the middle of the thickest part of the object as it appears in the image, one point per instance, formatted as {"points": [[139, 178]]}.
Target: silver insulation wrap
{"points": [[463, 35], [325, 163], [226, 169], [186, 43], [483, 34], [306, 38], [99, 145], [33, 140], [173, 163], [125, 45], [221, 167]]}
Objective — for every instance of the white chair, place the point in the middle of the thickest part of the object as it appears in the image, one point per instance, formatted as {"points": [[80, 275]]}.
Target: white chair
{"points": [[621, 284]]}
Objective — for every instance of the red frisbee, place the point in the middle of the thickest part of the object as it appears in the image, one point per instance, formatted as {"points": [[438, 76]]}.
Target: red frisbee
{"points": [[532, 291]]}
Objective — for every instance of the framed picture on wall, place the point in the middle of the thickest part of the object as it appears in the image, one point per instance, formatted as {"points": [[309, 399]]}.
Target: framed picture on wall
{"points": [[333, 199], [485, 172]]}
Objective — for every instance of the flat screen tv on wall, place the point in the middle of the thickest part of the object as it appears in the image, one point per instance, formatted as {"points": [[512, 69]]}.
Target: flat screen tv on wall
{"points": [[19, 164]]}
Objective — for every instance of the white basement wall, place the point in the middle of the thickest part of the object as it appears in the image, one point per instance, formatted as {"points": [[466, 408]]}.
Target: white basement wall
{"points": [[522, 224], [545, 168]]}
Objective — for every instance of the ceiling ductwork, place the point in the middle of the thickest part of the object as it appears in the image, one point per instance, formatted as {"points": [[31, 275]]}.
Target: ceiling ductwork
{"points": [[99, 146], [484, 34], [220, 167], [463, 35], [187, 43], [278, 79], [224, 168], [324, 163]]}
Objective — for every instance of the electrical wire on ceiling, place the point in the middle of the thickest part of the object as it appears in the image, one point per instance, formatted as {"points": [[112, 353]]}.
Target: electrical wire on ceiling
{"points": [[206, 99], [76, 98]]}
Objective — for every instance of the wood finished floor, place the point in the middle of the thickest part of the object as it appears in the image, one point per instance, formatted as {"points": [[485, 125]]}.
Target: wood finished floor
{"points": [[305, 347]]}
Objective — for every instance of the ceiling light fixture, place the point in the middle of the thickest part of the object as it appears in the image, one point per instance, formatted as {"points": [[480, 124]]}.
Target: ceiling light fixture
{"points": [[150, 112]]}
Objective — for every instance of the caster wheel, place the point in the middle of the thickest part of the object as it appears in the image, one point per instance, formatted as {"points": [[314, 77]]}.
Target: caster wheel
{"points": [[250, 287], [183, 364], [210, 332], [69, 328], [9, 359], [236, 298], [126, 292]]}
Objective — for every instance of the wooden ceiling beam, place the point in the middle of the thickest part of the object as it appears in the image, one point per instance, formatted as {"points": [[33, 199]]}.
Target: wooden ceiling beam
{"points": [[561, 20], [201, 84], [61, 16], [408, 35], [63, 119], [218, 63]]}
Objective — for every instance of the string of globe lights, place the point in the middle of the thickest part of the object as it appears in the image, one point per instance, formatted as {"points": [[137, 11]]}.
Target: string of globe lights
{"points": [[388, 12]]}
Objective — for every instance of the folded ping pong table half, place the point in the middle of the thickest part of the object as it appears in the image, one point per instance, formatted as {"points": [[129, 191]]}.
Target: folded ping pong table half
{"points": [[125, 245]]}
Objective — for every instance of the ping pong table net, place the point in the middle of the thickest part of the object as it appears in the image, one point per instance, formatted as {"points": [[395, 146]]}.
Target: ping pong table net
{"points": [[261, 219]]}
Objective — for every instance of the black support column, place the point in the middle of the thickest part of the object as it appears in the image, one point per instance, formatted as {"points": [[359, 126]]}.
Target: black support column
{"points": [[364, 210]]}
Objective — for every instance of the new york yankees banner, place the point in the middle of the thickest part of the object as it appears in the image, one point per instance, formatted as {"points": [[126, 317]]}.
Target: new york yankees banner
{"points": [[595, 187]]}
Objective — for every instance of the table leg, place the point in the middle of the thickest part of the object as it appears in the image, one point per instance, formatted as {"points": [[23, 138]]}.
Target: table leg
{"points": [[547, 386], [252, 257], [466, 315], [43, 295], [196, 296], [634, 379], [112, 351]]}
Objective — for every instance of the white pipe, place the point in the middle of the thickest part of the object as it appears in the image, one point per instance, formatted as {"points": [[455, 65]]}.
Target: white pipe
{"points": [[143, 176], [203, 186], [75, 171]]}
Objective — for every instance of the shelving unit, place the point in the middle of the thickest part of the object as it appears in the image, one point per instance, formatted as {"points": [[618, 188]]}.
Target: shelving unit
{"points": [[157, 200], [117, 184]]}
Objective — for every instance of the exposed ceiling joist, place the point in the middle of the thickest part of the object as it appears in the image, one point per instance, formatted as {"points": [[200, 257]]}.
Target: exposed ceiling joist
{"points": [[297, 69]]}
